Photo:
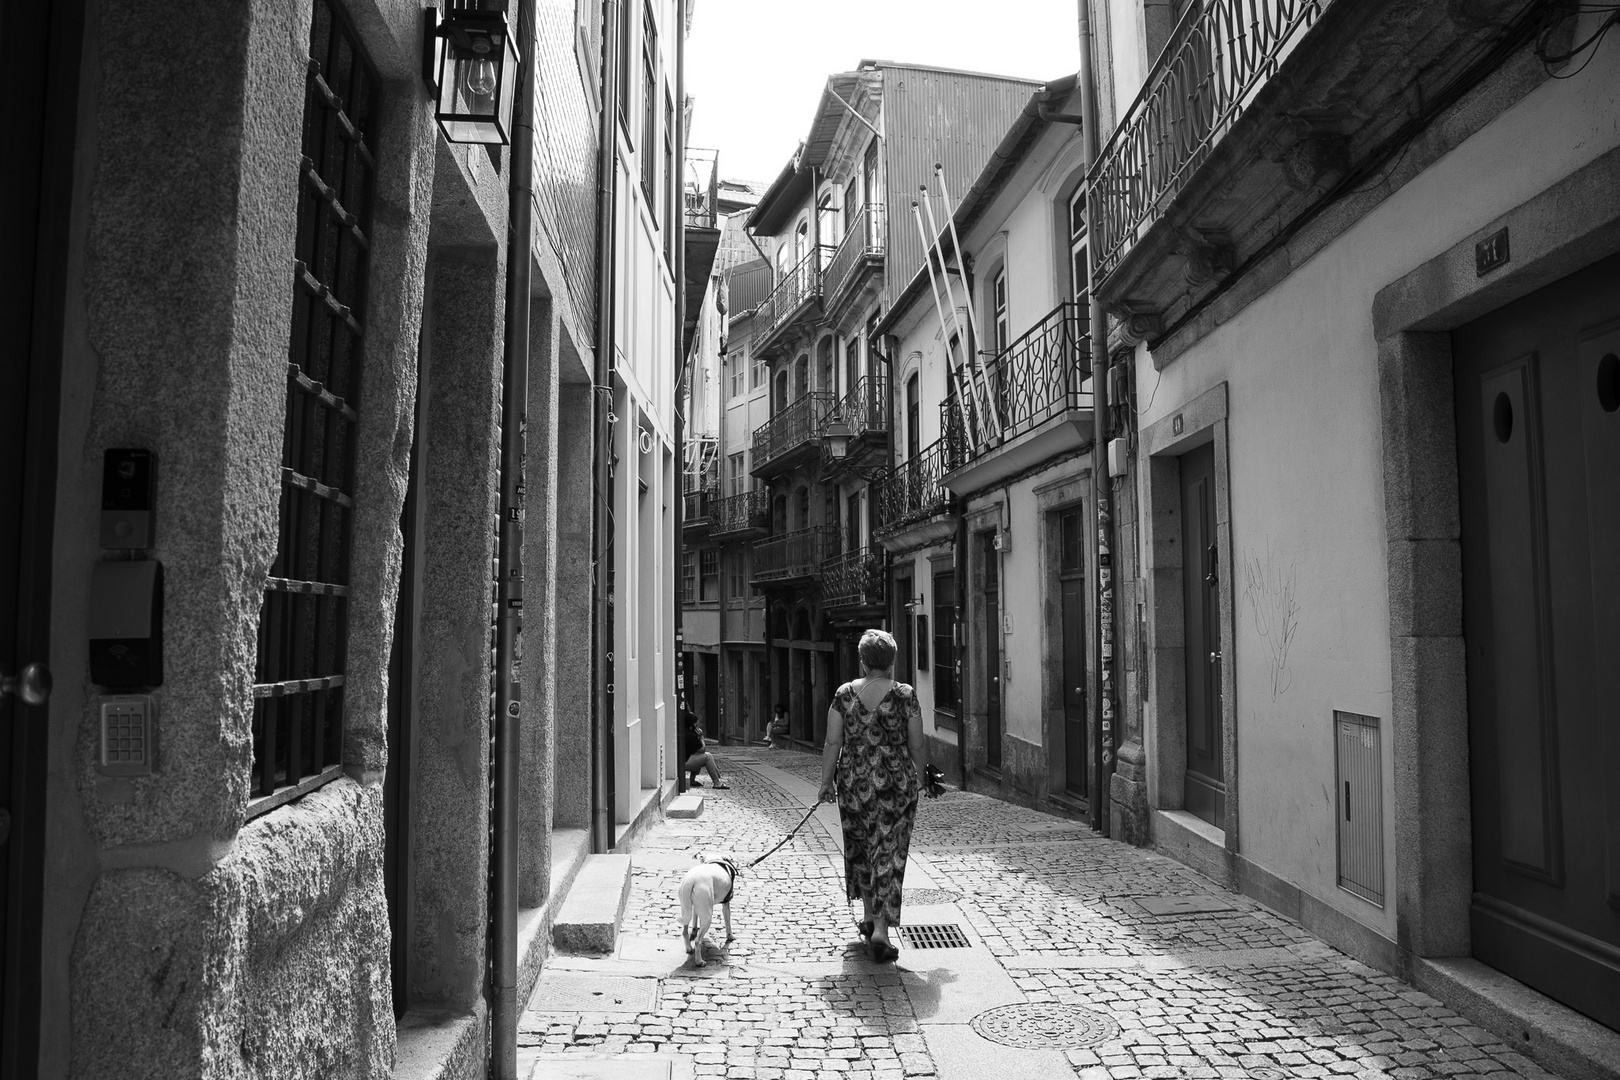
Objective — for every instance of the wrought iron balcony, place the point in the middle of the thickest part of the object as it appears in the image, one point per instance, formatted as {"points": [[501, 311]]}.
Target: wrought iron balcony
{"points": [[862, 245], [853, 579], [796, 293], [792, 435], [738, 515], [700, 187], [915, 494], [1219, 54], [1008, 409], [795, 557], [858, 425]]}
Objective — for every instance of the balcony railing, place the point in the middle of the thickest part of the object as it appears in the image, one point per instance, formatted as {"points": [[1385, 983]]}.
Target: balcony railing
{"points": [[700, 188], [799, 283], [865, 408], [853, 579], [1037, 377], [791, 428], [863, 238], [913, 491], [740, 513], [1218, 56], [795, 555]]}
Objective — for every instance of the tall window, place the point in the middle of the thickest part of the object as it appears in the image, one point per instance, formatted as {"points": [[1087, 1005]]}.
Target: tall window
{"points": [[709, 563], [649, 108], [998, 303], [913, 416], [624, 64], [299, 677], [761, 372], [852, 204], [852, 362], [738, 371], [1077, 259], [945, 684], [737, 566], [671, 180], [737, 477], [688, 576]]}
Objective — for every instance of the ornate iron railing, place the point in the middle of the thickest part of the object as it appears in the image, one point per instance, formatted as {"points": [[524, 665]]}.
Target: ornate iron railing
{"points": [[1218, 56], [740, 513], [1032, 380], [913, 491], [799, 423], [863, 238], [799, 283], [865, 408], [700, 187], [794, 555], [853, 578]]}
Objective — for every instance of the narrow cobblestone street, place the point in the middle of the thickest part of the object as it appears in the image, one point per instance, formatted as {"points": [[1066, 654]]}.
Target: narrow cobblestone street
{"points": [[1082, 956]]}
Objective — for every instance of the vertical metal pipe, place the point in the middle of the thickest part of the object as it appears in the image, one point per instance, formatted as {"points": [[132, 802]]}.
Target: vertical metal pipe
{"points": [[677, 221], [602, 446], [1102, 498], [509, 562]]}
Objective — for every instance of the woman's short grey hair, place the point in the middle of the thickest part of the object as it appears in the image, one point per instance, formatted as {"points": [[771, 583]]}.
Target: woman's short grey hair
{"points": [[877, 649]]}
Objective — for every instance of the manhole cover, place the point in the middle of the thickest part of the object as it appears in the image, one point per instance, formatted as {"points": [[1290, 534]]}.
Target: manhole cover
{"points": [[1183, 905], [579, 991], [931, 896], [1045, 1026], [936, 936]]}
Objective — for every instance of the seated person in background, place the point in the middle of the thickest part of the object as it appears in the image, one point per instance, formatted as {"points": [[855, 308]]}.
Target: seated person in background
{"points": [[694, 749]]}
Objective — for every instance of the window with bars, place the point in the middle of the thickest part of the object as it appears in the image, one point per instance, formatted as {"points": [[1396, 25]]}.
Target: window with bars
{"points": [[298, 684]]}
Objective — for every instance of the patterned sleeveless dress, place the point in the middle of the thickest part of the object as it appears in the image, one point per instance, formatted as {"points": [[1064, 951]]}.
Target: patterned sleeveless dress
{"points": [[877, 795]]}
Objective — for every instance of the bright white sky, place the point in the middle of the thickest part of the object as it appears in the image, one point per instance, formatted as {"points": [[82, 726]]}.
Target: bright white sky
{"points": [[756, 68]]}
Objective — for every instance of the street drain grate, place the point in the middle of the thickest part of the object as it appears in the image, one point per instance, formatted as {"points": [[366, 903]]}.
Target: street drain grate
{"points": [[931, 896], [1045, 1026], [936, 936]]}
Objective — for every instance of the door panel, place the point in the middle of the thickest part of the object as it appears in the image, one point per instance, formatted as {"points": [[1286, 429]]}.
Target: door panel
{"points": [[1076, 754], [992, 652], [1538, 442], [1205, 788]]}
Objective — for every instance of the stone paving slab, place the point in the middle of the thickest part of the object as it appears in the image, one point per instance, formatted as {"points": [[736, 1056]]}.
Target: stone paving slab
{"points": [[1203, 984]]}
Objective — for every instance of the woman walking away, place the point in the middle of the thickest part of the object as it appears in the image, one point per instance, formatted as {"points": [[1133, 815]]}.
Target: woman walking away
{"points": [[877, 723]]}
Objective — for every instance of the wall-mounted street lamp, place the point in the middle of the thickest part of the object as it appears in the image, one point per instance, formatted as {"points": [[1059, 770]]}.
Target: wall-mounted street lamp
{"points": [[470, 62], [835, 436]]}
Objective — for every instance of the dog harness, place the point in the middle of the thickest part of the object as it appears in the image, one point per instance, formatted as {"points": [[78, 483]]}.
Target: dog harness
{"points": [[731, 875]]}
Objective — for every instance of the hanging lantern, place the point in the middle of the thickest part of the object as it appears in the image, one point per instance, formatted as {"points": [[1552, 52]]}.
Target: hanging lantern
{"points": [[470, 62]]}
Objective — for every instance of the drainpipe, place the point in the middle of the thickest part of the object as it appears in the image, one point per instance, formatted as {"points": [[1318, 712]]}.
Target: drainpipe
{"points": [[602, 444], [509, 562], [1102, 497], [677, 221]]}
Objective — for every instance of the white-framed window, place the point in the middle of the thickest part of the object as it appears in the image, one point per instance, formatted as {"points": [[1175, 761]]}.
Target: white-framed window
{"points": [[688, 576], [736, 474], [1078, 290], [998, 314], [709, 564]]}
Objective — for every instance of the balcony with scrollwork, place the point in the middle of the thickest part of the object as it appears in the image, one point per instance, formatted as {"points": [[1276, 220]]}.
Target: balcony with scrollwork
{"points": [[914, 507], [853, 580], [1027, 404], [792, 437], [740, 517], [794, 558], [795, 301], [855, 431], [854, 274], [1256, 116]]}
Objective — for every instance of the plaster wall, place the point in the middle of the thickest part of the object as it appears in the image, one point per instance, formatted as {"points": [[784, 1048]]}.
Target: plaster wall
{"points": [[1307, 499]]}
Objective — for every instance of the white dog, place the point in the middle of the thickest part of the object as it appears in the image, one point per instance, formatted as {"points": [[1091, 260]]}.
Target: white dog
{"points": [[710, 882]]}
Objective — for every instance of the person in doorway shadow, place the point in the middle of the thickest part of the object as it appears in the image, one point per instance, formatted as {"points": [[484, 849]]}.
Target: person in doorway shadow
{"points": [[695, 748]]}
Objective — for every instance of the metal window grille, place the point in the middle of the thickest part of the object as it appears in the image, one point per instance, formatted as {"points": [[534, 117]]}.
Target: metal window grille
{"points": [[303, 623]]}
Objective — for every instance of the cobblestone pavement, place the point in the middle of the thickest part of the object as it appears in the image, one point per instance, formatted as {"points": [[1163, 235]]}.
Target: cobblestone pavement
{"points": [[1158, 971]]}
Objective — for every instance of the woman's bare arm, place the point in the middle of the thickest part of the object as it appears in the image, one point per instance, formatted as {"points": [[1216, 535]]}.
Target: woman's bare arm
{"points": [[829, 753]]}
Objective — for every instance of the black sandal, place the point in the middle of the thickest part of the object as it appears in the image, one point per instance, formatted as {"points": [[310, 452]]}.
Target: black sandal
{"points": [[882, 952]]}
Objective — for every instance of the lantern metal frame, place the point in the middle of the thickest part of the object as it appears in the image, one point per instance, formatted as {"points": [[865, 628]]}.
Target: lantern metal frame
{"points": [[453, 42]]}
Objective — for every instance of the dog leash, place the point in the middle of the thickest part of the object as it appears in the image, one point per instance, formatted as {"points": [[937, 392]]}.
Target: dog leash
{"points": [[791, 834]]}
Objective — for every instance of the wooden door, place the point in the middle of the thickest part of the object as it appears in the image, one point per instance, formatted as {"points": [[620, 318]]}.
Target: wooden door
{"points": [[1538, 451], [991, 559], [1205, 788], [1072, 593], [39, 70]]}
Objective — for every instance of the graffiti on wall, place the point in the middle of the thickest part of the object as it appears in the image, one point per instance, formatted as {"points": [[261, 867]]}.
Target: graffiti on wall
{"points": [[1268, 593]]}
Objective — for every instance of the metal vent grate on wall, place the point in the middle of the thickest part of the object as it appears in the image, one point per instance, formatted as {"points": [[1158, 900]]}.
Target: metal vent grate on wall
{"points": [[1361, 805], [935, 936]]}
